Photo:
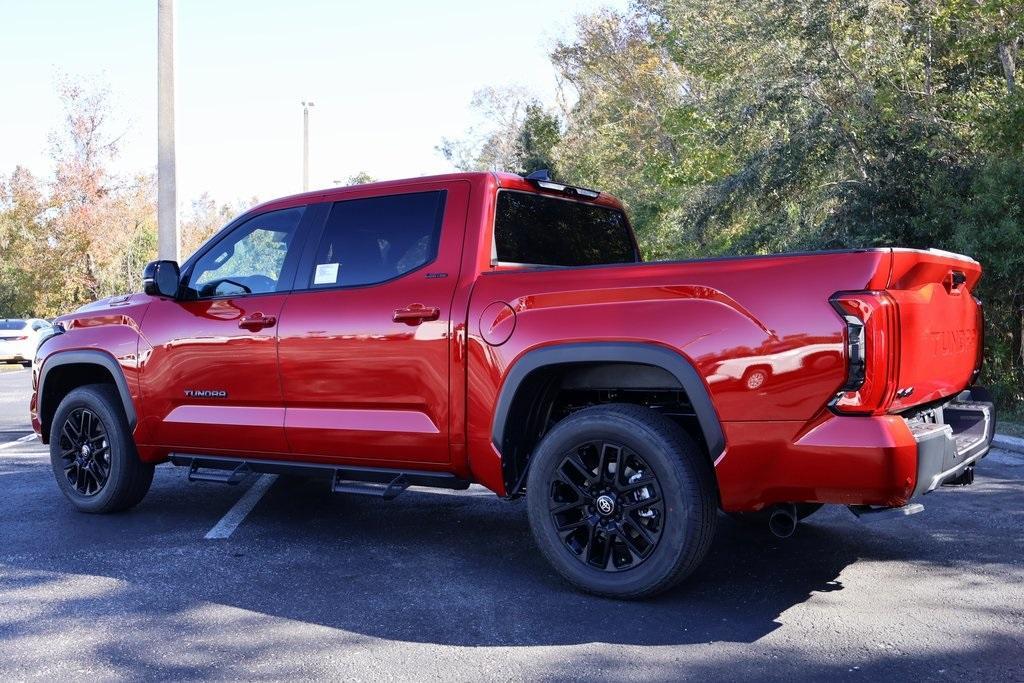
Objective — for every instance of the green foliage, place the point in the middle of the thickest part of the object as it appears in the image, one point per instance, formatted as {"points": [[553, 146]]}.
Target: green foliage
{"points": [[757, 126], [22, 237], [537, 140], [361, 178], [517, 134]]}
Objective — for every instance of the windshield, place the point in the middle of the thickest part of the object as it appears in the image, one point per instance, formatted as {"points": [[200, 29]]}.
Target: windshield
{"points": [[540, 230], [13, 324]]}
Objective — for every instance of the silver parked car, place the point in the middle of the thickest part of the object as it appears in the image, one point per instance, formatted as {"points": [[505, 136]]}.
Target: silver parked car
{"points": [[19, 339]]}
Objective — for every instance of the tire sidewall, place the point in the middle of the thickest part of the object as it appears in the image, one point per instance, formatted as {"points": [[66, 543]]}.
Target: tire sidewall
{"points": [[116, 429], [673, 480]]}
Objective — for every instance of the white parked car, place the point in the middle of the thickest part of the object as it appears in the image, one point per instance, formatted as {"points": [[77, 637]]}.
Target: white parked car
{"points": [[19, 339]]}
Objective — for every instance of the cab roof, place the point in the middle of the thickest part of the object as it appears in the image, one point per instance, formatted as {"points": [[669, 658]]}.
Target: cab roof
{"points": [[493, 180]]}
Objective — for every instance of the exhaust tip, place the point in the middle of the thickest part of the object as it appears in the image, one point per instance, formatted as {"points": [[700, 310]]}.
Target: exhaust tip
{"points": [[783, 520]]}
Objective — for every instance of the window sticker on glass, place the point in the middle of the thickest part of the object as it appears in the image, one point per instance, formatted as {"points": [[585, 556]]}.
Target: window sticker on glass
{"points": [[326, 273]]}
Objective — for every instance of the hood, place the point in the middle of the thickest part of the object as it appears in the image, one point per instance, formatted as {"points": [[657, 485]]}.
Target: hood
{"points": [[109, 302]]}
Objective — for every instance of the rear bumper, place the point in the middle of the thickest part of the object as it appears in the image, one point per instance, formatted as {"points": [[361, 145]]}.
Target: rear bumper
{"points": [[879, 461], [959, 437]]}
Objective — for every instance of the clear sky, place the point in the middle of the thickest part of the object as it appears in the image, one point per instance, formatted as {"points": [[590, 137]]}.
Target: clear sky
{"points": [[389, 79]]}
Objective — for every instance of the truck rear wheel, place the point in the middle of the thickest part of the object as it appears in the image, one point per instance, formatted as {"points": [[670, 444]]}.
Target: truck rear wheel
{"points": [[92, 452], [621, 500]]}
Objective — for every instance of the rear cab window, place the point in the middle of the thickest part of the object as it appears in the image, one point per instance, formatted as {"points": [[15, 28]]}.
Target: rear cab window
{"points": [[13, 325], [539, 230]]}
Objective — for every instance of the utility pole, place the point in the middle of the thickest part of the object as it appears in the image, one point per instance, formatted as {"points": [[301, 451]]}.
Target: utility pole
{"points": [[166, 194], [305, 145]]}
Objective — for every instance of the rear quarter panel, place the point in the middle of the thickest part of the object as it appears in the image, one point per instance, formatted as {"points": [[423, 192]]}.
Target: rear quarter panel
{"points": [[726, 316]]}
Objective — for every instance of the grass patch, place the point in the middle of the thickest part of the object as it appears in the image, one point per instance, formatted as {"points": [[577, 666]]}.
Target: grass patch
{"points": [[1010, 428]]}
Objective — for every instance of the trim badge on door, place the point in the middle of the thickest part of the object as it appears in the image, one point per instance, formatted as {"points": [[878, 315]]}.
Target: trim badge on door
{"points": [[206, 393]]}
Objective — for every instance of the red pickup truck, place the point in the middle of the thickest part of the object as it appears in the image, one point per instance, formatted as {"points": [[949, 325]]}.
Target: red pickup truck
{"points": [[493, 329]]}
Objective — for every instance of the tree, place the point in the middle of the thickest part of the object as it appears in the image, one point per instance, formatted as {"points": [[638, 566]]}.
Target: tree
{"points": [[361, 178], [22, 241], [755, 126], [204, 219], [101, 228], [538, 137], [515, 133]]}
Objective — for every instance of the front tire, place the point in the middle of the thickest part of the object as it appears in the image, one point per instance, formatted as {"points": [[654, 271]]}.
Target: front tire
{"points": [[92, 453], [622, 501]]}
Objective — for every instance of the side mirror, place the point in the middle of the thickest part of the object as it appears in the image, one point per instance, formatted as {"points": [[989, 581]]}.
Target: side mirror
{"points": [[160, 278]]}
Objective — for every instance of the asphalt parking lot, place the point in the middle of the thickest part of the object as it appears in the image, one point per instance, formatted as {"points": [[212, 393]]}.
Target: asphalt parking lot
{"points": [[449, 586]]}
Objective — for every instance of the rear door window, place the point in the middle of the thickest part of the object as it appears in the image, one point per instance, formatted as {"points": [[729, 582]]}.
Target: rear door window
{"points": [[373, 240], [536, 229]]}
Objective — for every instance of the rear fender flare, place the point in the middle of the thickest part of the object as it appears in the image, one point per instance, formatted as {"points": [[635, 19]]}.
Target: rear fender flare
{"points": [[612, 352]]}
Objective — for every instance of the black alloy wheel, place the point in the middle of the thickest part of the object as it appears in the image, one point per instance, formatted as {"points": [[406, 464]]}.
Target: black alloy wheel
{"points": [[85, 450], [92, 453], [622, 501], [606, 505]]}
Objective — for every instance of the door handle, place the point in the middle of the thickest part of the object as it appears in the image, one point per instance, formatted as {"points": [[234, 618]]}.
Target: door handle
{"points": [[257, 321], [414, 314]]}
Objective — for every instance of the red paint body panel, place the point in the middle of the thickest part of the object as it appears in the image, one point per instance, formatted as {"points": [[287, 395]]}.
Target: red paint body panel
{"points": [[198, 345], [337, 380], [341, 350], [852, 460]]}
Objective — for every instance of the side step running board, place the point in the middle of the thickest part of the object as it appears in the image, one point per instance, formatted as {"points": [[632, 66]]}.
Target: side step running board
{"points": [[388, 491], [383, 483], [231, 478]]}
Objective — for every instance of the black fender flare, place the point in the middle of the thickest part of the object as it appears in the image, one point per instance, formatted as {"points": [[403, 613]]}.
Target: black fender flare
{"points": [[613, 352], [90, 357]]}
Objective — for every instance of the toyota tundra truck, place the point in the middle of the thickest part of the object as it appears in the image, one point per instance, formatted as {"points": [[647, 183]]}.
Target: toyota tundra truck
{"points": [[492, 329]]}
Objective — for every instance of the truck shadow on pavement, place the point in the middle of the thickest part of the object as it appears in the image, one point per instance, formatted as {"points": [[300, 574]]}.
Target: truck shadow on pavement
{"points": [[437, 568]]}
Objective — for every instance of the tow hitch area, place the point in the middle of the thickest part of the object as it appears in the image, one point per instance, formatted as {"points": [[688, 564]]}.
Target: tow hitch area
{"points": [[951, 439], [965, 478]]}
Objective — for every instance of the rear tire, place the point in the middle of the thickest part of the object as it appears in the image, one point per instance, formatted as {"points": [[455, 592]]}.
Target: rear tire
{"points": [[92, 452], [638, 517]]}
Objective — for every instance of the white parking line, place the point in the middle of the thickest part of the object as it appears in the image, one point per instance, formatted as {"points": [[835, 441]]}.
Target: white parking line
{"points": [[230, 521], [12, 444]]}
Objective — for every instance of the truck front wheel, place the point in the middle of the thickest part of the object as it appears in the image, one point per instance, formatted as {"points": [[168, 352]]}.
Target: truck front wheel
{"points": [[92, 452], [621, 501]]}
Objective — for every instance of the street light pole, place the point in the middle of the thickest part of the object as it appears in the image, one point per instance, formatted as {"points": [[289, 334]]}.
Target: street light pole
{"points": [[166, 194], [305, 145]]}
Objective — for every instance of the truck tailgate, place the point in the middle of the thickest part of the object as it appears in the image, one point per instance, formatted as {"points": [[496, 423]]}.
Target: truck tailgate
{"points": [[940, 324]]}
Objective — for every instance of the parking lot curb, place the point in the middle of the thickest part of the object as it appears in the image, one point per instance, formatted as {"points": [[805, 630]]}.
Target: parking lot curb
{"points": [[1012, 444]]}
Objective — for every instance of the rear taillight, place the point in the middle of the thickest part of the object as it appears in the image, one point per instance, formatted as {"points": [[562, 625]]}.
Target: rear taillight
{"points": [[980, 359], [21, 338], [872, 352]]}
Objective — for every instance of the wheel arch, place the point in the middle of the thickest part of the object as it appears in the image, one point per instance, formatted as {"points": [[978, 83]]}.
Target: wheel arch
{"points": [[67, 370], [531, 380]]}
